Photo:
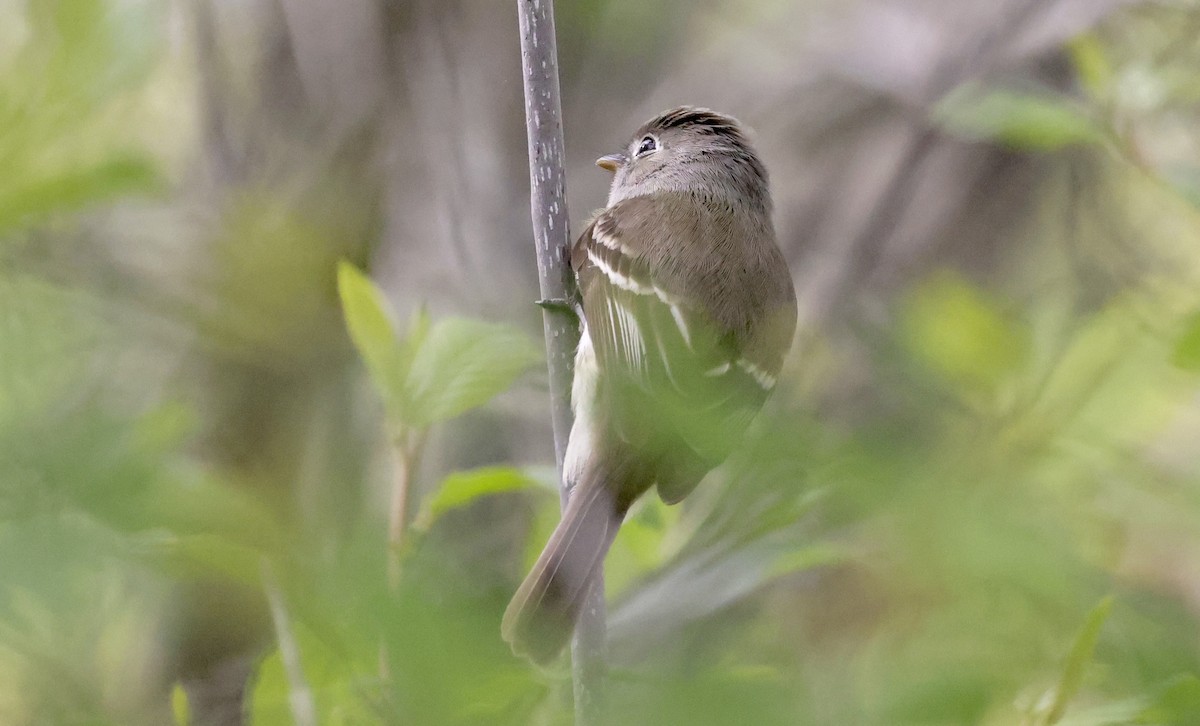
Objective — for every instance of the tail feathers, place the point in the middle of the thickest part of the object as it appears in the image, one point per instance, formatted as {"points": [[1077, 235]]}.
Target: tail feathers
{"points": [[541, 616]]}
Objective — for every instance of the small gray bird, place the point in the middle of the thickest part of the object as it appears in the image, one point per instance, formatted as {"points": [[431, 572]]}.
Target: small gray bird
{"points": [[688, 311]]}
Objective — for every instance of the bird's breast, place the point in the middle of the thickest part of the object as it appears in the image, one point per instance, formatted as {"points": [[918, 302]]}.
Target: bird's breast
{"points": [[583, 404]]}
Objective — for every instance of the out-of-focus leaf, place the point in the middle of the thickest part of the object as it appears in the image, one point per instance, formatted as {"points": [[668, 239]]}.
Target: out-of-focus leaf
{"points": [[647, 530], [1093, 68], [72, 189], [1077, 661], [164, 428], [200, 555], [463, 364], [464, 487], [1185, 178], [1120, 713], [702, 583], [370, 326], [639, 547], [211, 506], [714, 692], [46, 334], [1020, 120], [1111, 376], [334, 680], [269, 702], [793, 561], [1178, 704], [955, 330], [179, 706], [1187, 349], [65, 132], [642, 541]]}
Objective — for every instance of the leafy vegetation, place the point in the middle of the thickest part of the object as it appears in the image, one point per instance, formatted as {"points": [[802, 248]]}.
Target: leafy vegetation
{"points": [[979, 505]]}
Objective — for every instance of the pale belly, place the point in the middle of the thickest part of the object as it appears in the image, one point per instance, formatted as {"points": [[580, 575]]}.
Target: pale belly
{"points": [[583, 402]]}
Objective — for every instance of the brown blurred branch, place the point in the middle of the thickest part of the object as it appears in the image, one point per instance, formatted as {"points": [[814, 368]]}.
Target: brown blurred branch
{"points": [[548, 207]]}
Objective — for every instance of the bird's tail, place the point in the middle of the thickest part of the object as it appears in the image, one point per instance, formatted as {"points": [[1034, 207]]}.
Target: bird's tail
{"points": [[542, 615]]}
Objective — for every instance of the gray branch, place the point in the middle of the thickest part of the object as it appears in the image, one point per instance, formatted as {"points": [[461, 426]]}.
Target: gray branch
{"points": [[543, 122]]}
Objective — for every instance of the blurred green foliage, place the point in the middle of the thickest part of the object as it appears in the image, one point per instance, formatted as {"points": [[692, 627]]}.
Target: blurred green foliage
{"points": [[962, 336], [1021, 120], [1000, 529], [438, 370], [64, 138]]}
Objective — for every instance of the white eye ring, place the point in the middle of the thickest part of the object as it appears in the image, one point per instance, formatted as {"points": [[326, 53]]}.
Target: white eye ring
{"points": [[647, 145]]}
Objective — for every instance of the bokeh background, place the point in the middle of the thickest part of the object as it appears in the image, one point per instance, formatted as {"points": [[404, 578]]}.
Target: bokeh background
{"points": [[975, 498]]}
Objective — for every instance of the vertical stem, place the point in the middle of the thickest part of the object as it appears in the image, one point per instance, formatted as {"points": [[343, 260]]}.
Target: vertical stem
{"points": [[407, 448], [397, 521], [300, 698], [588, 656], [548, 204], [548, 208]]}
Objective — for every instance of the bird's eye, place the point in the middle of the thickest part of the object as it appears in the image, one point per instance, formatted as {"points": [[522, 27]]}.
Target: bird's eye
{"points": [[648, 144]]}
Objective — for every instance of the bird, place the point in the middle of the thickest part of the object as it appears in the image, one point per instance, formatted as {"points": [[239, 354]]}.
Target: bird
{"points": [[687, 311]]}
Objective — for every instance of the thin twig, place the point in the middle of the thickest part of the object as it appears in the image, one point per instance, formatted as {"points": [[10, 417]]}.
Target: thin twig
{"points": [[548, 208], [300, 698], [396, 510], [406, 457]]}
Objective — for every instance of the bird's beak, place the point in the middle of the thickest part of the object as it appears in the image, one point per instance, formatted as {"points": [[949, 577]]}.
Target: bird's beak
{"points": [[610, 162]]}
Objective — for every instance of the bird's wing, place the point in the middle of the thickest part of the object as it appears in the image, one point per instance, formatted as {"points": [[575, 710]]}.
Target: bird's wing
{"points": [[656, 342]]}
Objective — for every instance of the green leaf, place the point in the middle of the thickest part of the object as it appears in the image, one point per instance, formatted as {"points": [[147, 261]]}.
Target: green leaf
{"points": [[213, 506], [1019, 120], [806, 558], [1117, 713], [704, 581], [46, 333], [333, 675], [1187, 349], [164, 428], [1077, 660], [414, 338], [956, 331], [179, 706], [200, 555], [1091, 65], [462, 488], [370, 325], [641, 542], [1178, 703], [72, 189], [437, 371], [462, 364]]}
